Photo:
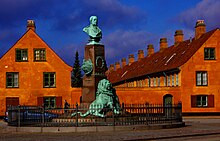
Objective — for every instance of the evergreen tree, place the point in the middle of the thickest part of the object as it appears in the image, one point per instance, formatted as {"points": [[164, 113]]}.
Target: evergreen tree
{"points": [[76, 78]]}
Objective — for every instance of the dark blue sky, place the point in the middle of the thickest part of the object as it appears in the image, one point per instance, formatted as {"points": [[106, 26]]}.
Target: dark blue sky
{"points": [[127, 25]]}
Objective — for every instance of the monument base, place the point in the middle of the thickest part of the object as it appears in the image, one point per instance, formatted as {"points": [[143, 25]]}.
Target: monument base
{"points": [[95, 53]]}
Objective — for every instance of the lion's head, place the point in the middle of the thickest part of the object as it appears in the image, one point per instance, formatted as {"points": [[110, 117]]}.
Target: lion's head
{"points": [[104, 86]]}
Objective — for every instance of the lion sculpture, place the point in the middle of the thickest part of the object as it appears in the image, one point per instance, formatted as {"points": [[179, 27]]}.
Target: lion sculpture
{"points": [[105, 98]]}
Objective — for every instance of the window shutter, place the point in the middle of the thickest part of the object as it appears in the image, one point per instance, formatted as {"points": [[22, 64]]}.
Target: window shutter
{"points": [[40, 101], [193, 101], [210, 100], [59, 102]]}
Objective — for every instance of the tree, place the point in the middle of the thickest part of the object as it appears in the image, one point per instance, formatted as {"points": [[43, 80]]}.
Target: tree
{"points": [[76, 78]]}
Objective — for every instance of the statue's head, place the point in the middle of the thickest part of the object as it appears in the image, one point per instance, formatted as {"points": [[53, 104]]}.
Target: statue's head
{"points": [[104, 85], [93, 20]]}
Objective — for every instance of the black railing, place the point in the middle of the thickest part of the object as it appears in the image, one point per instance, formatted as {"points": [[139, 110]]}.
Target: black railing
{"points": [[130, 114]]}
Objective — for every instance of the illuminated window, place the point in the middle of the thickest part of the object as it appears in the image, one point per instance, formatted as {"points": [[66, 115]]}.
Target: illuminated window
{"points": [[39, 55]]}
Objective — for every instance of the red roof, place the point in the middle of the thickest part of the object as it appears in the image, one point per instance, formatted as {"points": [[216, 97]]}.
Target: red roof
{"points": [[170, 58]]}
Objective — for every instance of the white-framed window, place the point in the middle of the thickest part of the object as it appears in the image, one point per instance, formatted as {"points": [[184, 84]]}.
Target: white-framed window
{"points": [[158, 81], [39, 54], [202, 101], [50, 102], [168, 80], [177, 80], [201, 78], [49, 79], [149, 82], [152, 82], [172, 79], [144, 82], [12, 80], [209, 53], [21, 55], [165, 81], [155, 81]]}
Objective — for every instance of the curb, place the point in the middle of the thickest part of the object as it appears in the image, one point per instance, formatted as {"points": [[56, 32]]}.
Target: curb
{"points": [[93, 128], [172, 137]]}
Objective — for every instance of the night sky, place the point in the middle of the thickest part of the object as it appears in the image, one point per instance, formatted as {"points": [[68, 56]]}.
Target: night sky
{"points": [[127, 25]]}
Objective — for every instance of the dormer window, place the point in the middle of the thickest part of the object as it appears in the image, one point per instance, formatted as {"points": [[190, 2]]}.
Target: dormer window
{"points": [[39, 54], [21, 55], [209, 53]]}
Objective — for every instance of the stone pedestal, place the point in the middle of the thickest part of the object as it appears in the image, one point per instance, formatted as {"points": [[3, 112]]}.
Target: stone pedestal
{"points": [[97, 55]]}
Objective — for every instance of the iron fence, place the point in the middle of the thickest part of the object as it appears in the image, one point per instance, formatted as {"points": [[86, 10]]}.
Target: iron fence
{"points": [[130, 114]]}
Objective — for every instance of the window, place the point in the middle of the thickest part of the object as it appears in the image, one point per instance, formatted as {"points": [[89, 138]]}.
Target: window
{"points": [[168, 80], [49, 80], [149, 82], [50, 102], [177, 80], [202, 100], [144, 82], [155, 81], [158, 81], [209, 53], [201, 78], [152, 82], [165, 81], [39, 55], [12, 79], [173, 80], [21, 55]]}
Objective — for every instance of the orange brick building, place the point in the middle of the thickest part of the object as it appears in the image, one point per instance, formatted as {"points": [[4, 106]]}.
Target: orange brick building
{"points": [[31, 73], [188, 71]]}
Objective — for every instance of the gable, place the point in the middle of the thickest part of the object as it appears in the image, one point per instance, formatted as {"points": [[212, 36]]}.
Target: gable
{"points": [[30, 41]]}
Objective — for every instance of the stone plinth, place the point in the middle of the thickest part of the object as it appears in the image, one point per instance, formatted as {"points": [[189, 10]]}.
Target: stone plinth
{"points": [[96, 54]]}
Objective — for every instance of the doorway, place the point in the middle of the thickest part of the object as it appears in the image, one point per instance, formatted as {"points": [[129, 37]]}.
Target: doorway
{"points": [[167, 104]]}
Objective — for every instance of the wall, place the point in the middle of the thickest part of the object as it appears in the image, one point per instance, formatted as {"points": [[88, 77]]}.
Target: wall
{"points": [[197, 63], [31, 73]]}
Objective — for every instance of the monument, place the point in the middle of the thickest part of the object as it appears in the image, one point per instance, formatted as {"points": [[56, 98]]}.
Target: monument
{"points": [[94, 64]]}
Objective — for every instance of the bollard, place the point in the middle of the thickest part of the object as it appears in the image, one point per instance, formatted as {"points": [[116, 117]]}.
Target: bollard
{"points": [[76, 114], [19, 115]]}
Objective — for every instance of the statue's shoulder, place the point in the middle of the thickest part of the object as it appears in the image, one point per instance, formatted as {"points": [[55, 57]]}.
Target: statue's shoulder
{"points": [[85, 29]]}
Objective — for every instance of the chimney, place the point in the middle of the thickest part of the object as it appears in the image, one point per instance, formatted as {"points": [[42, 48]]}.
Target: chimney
{"points": [[117, 65], [112, 67], [163, 44], [200, 28], [178, 37], [31, 25], [123, 62], [140, 54], [131, 58], [150, 49]]}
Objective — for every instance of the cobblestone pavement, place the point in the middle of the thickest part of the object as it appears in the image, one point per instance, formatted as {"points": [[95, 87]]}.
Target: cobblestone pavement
{"points": [[197, 128]]}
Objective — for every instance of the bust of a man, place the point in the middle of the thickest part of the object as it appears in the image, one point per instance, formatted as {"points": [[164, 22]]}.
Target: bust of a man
{"points": [[94, 32]]}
